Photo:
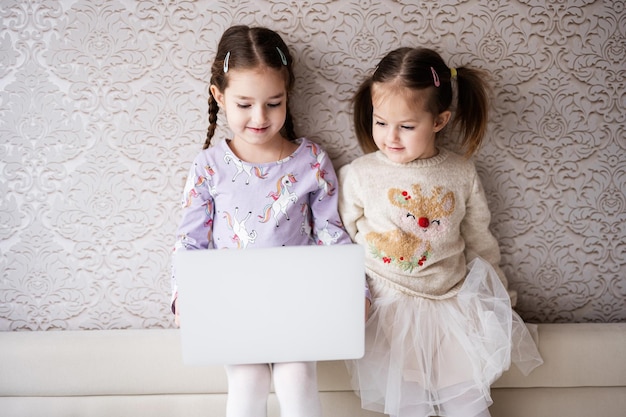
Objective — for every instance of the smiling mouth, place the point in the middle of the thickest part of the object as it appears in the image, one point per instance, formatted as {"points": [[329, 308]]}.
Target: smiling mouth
{"points": [[258, 129]]}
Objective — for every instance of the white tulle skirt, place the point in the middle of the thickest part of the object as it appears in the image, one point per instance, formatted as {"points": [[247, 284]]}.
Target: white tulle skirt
{"points": [[426, 357]]}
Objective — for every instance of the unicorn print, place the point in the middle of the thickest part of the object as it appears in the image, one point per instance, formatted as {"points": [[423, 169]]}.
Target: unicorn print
{"points": [[208, 211], [317, 155], [324, 237], [240, 167], [320, 174], [201, 180], [323, 184], [190, 192], [241, 234], [190, 195], [207, 180], [185, 241], [282, 197], [306, 228]]}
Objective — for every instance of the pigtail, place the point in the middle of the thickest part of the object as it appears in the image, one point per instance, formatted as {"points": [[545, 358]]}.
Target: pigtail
{"points": [[213, 109], [362, 112], [472, 110]]}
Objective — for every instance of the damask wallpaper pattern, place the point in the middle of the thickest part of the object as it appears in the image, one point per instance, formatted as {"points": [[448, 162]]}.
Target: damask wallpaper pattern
{"points": [[103, 106]]}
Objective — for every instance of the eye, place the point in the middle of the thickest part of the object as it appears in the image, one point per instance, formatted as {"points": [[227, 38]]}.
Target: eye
{"points": [[407, 127], [243, 106], [436, 221], [274, 105], [410, 215], [380, 123]]}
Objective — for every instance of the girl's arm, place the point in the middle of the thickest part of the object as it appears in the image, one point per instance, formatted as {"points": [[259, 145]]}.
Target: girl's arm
{"points": [[327, 227], [351, 210], [194, 231], [327, 208], [350, 205], [479, 241]]}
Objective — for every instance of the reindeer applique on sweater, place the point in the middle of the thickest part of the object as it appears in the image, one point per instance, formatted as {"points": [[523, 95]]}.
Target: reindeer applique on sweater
{"points": [[419, 217]]}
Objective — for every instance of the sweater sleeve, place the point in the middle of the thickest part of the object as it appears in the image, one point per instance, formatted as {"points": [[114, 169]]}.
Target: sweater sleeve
{"points": [[479, 241], [350, 205]]}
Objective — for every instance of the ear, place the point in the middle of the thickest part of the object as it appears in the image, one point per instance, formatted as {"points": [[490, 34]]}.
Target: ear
{"points": [[217, 94], [442, 120], [399, 198]]}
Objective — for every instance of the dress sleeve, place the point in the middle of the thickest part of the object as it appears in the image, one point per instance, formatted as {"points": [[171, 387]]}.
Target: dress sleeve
{"points": [[479, 241], [196, 226], [327, 227]]}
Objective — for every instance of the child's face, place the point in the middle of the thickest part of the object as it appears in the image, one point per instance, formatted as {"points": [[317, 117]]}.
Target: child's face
{"points": [[255, 103], [402, 128]]}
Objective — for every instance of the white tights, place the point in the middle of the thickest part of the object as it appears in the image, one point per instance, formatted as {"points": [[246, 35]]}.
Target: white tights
{"points": [[295, 384]]}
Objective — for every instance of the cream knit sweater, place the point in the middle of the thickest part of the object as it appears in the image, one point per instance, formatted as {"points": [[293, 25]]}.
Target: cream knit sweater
{"points": [[420, 222]]}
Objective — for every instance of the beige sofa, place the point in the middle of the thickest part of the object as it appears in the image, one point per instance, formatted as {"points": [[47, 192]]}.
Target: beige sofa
{"points": [[117, 373]]}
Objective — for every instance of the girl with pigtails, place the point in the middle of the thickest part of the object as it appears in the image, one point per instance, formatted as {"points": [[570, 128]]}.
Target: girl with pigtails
{"points": [[441, 327], [263, 186]]}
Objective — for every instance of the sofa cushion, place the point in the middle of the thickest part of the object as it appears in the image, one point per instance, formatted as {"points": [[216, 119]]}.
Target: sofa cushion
{"points": [[101, 362], [134, 362], [575, 355]]}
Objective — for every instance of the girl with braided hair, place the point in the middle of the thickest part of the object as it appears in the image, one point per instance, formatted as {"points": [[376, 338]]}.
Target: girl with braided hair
{"points": [[261, 187]]}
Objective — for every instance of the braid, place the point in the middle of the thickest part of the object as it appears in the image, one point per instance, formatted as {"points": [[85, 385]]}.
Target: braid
{"points": [[213, 109], [289, 128]]}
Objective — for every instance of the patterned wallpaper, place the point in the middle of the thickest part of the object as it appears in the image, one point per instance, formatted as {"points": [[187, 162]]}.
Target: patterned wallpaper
{"points": [[103, 106]]}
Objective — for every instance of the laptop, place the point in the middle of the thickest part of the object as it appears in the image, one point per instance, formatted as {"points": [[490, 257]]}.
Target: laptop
{"points": [[270, 305]]}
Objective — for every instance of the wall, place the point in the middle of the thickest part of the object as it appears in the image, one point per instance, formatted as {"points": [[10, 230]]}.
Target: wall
{"points": [[103, 106]]}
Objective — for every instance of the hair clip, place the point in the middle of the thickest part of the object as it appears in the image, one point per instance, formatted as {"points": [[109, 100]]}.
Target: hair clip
{"points": [[226, 59], [435, 77], [283, 58], [453, 73]]}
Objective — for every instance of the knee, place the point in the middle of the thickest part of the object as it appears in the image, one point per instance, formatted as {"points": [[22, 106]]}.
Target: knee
{"points": [[297, 370], [297, 375], [296, 388], [255, 378]]}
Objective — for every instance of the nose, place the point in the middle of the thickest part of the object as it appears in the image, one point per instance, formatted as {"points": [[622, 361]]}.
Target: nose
{"points": [[259, 116], [392, 135]]}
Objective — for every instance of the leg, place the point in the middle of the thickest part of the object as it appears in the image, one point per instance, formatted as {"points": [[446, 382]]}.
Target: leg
{"points": [[248, 388], [296, 389]]}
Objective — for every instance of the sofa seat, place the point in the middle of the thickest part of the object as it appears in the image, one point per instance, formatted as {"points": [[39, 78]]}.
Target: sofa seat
{"points": [[106, 373]]}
